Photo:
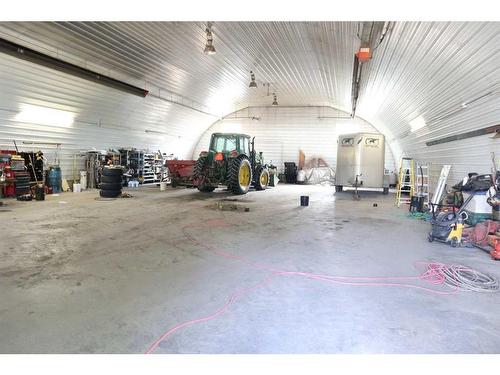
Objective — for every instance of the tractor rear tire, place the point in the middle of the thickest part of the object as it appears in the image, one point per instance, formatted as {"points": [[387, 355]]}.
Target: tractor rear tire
{"points": [[198, 175], [261, 178], [198, 167], [240, 175]]}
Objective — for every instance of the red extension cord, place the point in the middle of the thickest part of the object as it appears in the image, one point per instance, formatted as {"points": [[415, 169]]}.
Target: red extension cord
{"points": [[433, 274]]}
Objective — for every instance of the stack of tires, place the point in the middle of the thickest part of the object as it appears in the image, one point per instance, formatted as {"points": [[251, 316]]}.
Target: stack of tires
{"points": [[111, 182], [22, 181]]}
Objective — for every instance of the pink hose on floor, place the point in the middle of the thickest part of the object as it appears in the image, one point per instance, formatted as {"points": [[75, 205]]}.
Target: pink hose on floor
{"points": [[433, 275]]}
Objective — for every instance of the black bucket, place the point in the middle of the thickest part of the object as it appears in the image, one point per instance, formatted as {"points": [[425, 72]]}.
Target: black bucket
{"points": [[496, 212], [40, 193], [304, 200]]}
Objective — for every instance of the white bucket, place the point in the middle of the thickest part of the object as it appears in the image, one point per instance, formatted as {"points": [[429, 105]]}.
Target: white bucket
{"points": [[301, 176], [83, 180], [163, 186], [77, 188]]}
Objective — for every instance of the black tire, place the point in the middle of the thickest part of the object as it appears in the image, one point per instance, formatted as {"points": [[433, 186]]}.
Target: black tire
{"points": [[110, 193], [173, 182], [111, 179], [261, 178], [206, 188], [110, 186], [112, 171], [22, 190], [199, 174], [454, 242], [198, 167], [430, 237], [234, 173], [338, 188], [386, 191]]}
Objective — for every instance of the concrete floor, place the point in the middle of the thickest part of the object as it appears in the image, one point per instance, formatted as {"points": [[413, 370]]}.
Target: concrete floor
{"points": [[82, 275]]}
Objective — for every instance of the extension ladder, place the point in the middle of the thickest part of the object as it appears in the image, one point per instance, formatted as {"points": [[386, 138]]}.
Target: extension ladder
{"points": [[406, 182]]}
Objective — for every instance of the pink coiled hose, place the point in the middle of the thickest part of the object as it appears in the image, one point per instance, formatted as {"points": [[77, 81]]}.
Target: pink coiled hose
{"points": [[434, 274]]}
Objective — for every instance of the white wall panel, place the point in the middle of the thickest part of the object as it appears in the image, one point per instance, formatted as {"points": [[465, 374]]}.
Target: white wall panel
{"points": [[428, 70], [103, 117], [425, 69], [282, 131]]}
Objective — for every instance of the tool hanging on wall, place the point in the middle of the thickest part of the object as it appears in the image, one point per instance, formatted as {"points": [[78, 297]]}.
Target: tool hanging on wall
{"points": [[406, 182]]}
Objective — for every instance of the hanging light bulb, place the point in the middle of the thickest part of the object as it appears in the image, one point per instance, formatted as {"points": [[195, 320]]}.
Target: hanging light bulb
{"points": [[209, 46], [252, 80], [275, 101]]}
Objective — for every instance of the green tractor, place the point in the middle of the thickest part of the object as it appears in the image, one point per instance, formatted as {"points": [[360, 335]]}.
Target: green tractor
{"points": [[231, 161]]}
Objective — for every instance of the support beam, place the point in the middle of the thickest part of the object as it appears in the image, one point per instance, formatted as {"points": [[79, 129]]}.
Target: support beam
{"points": [[39, 58], [495, 129]]}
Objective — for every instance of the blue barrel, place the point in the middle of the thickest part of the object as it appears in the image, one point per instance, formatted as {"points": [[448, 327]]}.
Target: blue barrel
{"points": [[54, 179]]}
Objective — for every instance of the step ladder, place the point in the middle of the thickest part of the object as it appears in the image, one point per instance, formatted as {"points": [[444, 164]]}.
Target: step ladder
{"points": [[406, 182], [422, 182]]}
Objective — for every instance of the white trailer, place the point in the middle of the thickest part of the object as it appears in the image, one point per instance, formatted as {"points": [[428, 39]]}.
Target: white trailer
{"points": [[360, 161]]}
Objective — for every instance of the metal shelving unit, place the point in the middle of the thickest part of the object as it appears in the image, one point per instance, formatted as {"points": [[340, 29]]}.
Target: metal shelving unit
{"points": [[148, 167]]}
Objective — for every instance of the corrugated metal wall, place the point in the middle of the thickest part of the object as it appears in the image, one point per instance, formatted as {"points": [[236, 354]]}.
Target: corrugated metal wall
{"points": [[281, 132], [430, 70], [103, 117], [421, 69]]}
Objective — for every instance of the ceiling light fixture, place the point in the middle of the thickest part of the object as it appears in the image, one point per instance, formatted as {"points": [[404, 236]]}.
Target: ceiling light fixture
{"points": [[275, 100], [209, 47], [252, 80]]}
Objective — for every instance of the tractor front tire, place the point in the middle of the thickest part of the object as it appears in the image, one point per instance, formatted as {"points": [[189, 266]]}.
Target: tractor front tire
{"points": [[261, 178], [240, 175]]}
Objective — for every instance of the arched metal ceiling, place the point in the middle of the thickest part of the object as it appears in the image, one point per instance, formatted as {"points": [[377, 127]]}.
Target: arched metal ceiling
{"points": [[305, 63], [421, 69]]}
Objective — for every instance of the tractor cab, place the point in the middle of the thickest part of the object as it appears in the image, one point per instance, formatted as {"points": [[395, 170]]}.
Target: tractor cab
{"points": [[230, 144]]}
